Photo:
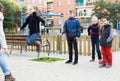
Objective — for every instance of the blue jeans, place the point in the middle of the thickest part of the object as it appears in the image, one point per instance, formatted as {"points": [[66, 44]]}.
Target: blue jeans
{"points": [[95, 42], [31, 38], [3, 65]]}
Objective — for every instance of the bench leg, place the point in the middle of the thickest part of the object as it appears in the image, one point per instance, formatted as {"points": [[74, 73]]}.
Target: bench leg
{"points": [[21, 49], [48, 51], [26, 48], [12, 46]]}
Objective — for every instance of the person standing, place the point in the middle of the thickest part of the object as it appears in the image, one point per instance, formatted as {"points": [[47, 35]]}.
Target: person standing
{"points": [[34, 30], [93, 31], [106, 42], [72, 30], [3, 65]]}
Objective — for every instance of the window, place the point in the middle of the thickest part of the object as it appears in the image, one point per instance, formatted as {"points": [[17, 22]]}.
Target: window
{"points": [[51, 6], [33, 1], [59, 4], [84, 12], [28, 1], [59, 22], [39, 1], [69, 2]]}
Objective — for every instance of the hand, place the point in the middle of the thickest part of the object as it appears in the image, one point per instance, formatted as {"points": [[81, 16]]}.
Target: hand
{"points": [[18, 30], [76, 38], [42, 27], [6, 50]]}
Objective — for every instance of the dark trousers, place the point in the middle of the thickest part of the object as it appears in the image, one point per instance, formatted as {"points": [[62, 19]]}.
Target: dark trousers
{"points": [[72, 43], [95, 42]]}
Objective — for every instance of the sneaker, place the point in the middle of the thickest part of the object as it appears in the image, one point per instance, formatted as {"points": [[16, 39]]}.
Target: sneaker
{"points": [[108, 66], [74, 63], [92, 60], [100, 62], [69, 61], [102, 66], [9, 77]]}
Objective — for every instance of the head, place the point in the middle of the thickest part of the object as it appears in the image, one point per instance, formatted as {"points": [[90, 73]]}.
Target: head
{"points": [[71, 13], [37, 9], [94, 20], [106, 20], [31, 10], [101, 22], [1, 7]]}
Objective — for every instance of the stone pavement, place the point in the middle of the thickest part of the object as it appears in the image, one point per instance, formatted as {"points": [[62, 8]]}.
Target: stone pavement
{"points": [[25, 70]]}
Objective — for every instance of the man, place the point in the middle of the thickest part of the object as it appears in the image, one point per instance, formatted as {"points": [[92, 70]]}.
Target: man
{"points": [[33, 24], [72, 30]]}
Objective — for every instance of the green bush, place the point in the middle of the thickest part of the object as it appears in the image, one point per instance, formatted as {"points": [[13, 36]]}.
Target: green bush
{"points": [[103, 8], [11, 14]]}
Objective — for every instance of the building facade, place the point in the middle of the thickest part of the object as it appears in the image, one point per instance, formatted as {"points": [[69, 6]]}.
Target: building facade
{"points": [[51, 6], [62, 6], [31, 3], [83, 9]]}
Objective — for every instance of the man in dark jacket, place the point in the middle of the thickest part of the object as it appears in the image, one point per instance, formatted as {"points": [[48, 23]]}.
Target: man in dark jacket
{"points": [[106, 42], [72, 30], [33, 24]]}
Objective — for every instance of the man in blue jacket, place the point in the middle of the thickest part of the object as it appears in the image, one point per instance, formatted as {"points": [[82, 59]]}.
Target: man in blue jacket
{"points": [[72, 30]]}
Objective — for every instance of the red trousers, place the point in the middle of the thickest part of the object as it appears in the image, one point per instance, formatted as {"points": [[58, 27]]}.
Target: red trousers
{"points": [[107, 55]]}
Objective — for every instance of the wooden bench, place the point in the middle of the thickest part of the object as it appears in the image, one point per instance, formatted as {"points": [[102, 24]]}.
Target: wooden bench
{"points": [[20, 40]]}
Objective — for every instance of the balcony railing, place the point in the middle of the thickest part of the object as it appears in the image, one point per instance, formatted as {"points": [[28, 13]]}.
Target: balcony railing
{"points": [[50, 0], [79, 4], [90, 3], [49, 9]]}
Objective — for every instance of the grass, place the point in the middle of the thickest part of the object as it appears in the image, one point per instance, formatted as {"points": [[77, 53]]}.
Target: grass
{"points": [[46, 59]]}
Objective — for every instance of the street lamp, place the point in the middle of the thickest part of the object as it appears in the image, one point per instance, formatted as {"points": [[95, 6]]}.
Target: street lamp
{"points": [[22, 14]]}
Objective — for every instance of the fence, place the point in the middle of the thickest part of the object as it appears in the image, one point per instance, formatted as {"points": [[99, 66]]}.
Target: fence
{"points": [[58, 44]]}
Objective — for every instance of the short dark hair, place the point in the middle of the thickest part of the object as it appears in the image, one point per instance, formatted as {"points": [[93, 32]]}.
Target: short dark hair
{"points": [[71, 11], [107, 18]]}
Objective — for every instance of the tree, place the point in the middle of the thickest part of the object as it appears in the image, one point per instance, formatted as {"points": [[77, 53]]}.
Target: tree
{"points": [[11, 9], [103, 8]]}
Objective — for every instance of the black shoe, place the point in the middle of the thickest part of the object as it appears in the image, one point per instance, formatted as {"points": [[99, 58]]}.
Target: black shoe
{"points": [[102, 66], [67, 62], [74, 63], [9, 78]]}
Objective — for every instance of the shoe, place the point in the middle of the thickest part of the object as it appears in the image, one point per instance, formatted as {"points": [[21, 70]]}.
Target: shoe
{"points": [[108, 66], [92, 60], [74, 63], [102, 66], [100, 62], [69, 61], [9, 77]]}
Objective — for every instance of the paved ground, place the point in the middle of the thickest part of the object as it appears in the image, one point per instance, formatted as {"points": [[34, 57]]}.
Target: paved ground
{"points": [[25, 70]]}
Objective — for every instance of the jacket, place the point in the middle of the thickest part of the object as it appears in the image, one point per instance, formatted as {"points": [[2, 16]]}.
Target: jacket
{"points": [[93, 31], [2, 34], [106, 36], [72, 28], [33, 23]]}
